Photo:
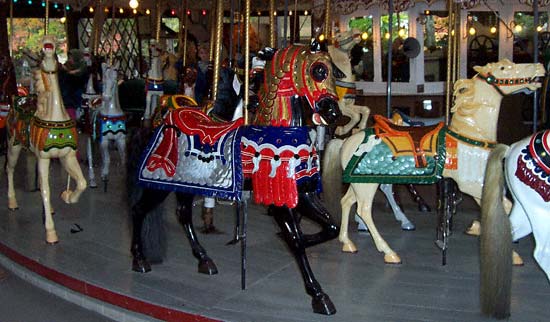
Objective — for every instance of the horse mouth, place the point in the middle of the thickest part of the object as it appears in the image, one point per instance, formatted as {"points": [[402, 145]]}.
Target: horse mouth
{"points": [[328, 111], [48, 47]]}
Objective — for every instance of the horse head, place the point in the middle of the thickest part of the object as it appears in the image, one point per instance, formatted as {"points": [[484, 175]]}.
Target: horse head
{"points": [[110, 80], [509, 78], [49, 61], [296, 78], [345, 40]]}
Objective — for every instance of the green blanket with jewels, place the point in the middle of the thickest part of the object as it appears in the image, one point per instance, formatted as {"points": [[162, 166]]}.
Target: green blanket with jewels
{"points": [[379, 165]]}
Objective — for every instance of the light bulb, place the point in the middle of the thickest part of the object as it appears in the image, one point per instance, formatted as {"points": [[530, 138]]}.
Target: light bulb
{"points": [[134, 4], [402, 33], [364, 36], [472, 31], [493, 30], [147, 12]]}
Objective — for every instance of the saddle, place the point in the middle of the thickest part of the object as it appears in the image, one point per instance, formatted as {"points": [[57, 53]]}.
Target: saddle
{"points": [[418, 141], [195, 122]]}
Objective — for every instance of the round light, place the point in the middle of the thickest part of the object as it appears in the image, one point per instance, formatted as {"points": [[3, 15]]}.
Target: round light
{"points": [[402, 33], [290, 13], [203, 12], [147, 12], [493, 30], [472, 31], [364, 35], [322, 37], [91, 9], [134, 4], [518, 28], [173, 12], [121, 10], [62, 19], [134, 11], [274, 13], [387, 35], [306, 13], [188, 12], [539, 28]]}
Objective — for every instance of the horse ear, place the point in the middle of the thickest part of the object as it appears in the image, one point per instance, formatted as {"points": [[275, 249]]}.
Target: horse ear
{"points": [[267, 53]]}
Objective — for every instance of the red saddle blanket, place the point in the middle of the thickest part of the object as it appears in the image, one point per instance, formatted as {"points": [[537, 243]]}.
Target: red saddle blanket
{"points": [[190, 122]]}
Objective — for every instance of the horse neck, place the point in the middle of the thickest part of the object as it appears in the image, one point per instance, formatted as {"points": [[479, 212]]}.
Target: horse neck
{"points": [[90, 85], [155, 71], [341, 59], [111, 106], [53, 108], [479, 122]]}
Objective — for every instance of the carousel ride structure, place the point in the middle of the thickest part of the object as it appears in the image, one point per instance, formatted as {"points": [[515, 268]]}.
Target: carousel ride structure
{"points": [[387, 153], [52, 134], [193, 155]]}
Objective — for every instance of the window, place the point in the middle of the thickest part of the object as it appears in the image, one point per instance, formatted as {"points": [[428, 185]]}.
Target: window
{"points": [[482, 33], [436, 34], [361, 55], [524, 29], [400, 62]]}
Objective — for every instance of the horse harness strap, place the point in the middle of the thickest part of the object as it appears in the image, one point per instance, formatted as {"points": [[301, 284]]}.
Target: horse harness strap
{"points": [[481, 144], [419, 141], [345, 90], [498, 82]]}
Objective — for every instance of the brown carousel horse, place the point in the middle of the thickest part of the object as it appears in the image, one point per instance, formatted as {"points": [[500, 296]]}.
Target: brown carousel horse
{"points": [[194, 155], [52, 134]]}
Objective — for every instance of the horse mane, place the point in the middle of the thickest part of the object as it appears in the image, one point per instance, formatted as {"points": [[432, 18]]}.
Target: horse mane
{"points": [[226, 99], [464, 93]]}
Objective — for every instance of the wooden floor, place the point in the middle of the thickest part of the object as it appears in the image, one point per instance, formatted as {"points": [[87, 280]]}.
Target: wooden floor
{"points": [[97, 261]]}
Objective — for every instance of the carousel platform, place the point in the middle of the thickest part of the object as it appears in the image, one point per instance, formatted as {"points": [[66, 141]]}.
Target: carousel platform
{"points": [[91, 267]]}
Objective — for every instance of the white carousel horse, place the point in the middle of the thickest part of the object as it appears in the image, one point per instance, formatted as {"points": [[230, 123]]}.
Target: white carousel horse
{"points": [[526, 173], [345, 87], [154, 84], [468, 139], [52, 134], [110, 125]]}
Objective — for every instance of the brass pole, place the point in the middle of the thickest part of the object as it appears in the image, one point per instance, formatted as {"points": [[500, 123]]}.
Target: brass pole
{"points": [[11, 28], [213, 16], [328, 25], [246, 58], [111, 54], [217, 49], [47, 17], [453, 34], [272, 26], [158, 17]]}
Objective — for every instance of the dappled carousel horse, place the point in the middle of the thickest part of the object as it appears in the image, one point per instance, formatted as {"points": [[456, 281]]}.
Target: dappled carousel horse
{"points": [[526, 174], [393, 154], [52, 134], [110, 121], [193, 155], [154, 84]]}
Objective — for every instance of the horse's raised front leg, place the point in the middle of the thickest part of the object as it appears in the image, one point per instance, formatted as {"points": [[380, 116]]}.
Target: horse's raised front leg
{"points": [[406, 224], [365, 196], [310, 206], [12, 156], [43, 172], [184, 212], [148, 201], [71, 165], [292, 234]]}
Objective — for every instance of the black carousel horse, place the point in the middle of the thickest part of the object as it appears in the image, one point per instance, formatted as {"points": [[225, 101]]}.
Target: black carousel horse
{"points": [[192, 155]]}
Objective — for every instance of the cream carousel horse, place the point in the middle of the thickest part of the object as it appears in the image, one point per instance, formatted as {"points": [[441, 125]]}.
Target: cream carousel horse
{"points": [[346, 89], [154, 84], [391, 154], [526, 172], [110, 120], [52, 135]]}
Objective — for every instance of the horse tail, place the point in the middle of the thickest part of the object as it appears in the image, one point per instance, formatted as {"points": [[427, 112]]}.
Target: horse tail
{"points": [[332, 176], [496, 241], [153, 234]]}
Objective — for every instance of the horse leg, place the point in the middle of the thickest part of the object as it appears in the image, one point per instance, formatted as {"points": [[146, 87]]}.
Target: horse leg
{"points": [[121, 147], [148, 201], [347, 201], [310, 206], [365, 196], [72, 166], [105, 157], [184, 212], [292, 234], [91, 172], [422, 205], [12, 156], [43, 172], [406, 224]]}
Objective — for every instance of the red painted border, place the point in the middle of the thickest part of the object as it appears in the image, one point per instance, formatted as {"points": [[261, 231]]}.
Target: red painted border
{"points": [[102, 294]]}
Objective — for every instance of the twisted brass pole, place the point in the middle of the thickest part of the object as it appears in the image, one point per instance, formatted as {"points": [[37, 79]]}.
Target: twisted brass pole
{"points": [[217, 49], [246, 58], [184, 40], [272, 26], [47, 18], [453, 34], [158, 17], [328, 25]]}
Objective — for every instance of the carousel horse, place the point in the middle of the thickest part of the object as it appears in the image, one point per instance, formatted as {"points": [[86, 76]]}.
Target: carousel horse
{"points": [[386, 153], [526, 174], [110, 121], [194, 155], [52, 134], [154, 84], [8, 90]]}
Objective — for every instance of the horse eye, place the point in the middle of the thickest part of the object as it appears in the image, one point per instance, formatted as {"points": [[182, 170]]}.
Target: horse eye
{"points": [[319, 72]]}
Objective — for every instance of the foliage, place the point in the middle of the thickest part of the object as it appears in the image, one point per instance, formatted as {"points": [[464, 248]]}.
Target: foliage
{"points": [[28, 33]]}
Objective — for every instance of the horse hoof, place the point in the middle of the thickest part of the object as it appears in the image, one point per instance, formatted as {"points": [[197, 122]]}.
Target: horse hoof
{"points": [[516, 259], [13, 209], [140, 265], [207, 266], [474, 229], [12, 204], [66, 196], [349, 248], [323, 305], [93, 184], [408, 226], [392, 259], [51, 237]]}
